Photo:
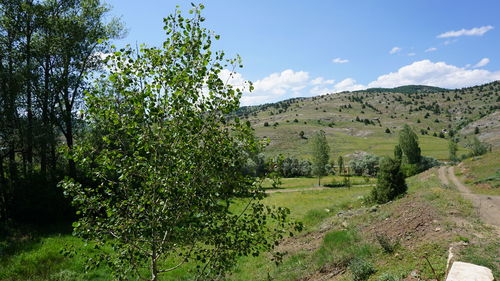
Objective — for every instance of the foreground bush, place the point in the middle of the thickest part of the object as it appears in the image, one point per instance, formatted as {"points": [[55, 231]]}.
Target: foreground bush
{"points": [[391, 181]]}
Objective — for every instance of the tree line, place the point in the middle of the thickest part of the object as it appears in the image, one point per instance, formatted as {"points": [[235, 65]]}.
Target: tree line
{"points": [[48, 50]]}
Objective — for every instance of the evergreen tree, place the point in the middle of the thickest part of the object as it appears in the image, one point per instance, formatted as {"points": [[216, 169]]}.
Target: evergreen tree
{"points": [[320, 154], [391, 181]]}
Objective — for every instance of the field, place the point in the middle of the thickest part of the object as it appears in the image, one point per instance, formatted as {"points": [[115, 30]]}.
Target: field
{"points": [[339, 229]]}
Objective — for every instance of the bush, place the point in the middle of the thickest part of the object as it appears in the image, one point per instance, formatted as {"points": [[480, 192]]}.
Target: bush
{"points": [[361, 269], [478, 148], [391, 181], [388, 277], [385, 242], [367, 165], [427, 162]]}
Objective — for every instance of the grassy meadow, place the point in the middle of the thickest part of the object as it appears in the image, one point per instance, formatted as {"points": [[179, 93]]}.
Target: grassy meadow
{"points": [[329, 241]]}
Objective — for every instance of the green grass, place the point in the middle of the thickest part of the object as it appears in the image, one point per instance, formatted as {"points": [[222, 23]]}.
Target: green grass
{"points": [[39, 258], [303, 182], [483, 173]]}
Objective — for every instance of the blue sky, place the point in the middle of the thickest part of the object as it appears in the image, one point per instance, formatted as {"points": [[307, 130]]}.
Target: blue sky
{"points": [[306, 48]]}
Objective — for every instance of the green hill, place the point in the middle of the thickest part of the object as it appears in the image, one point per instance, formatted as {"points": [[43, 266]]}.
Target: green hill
{"points": [[370, 120]]}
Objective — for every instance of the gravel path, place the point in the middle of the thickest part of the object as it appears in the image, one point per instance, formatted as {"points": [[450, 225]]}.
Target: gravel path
{"points": [[487, 205]]}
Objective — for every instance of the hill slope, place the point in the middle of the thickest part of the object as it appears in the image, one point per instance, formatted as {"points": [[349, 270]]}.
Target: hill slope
{"points": [[370, 120]]}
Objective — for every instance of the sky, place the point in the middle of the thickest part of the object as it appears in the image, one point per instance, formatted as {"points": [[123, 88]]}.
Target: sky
{"points": [[307, 48]]}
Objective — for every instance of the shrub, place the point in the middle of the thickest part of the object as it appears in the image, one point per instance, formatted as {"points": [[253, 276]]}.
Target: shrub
{"points": [[391, 181], [367, 164], [385, 242], [361, 269], [388, 277]]}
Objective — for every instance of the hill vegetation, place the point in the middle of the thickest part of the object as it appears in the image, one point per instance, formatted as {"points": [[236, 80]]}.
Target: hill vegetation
{"points": [[369, 121]]}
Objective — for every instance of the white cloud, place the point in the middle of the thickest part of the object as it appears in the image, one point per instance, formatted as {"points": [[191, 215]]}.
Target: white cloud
{"points": [[482, 62], [432, 49], [395, 50], [278, 86], [476, 31], [440, 74], [347, 84], [321, 81], [233, 78], [411, 54], [279, 83], [339, 60], [290, 83]]}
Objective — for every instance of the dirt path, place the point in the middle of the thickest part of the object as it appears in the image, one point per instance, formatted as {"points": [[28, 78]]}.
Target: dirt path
{"points": [[442, 176], [487, 205]]}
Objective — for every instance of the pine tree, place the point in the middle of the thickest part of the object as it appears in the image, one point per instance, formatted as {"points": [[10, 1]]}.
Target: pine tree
{"points": [[391, 181]]}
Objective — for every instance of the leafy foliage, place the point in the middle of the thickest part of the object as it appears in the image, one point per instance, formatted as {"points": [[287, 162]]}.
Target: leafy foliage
{"points": [[408, 141], [366, 164], [166, 163], [321, 155]]}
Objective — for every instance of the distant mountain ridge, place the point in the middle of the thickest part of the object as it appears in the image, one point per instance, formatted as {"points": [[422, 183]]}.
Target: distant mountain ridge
{"points": [[408, 89]]}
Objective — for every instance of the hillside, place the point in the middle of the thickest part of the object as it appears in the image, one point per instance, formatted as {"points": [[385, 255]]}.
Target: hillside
{"points": [[370, 120]]}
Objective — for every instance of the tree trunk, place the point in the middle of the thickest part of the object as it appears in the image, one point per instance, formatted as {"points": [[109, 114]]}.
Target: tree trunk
{"points": [[29, 109], [154, 265], [69, 143]]}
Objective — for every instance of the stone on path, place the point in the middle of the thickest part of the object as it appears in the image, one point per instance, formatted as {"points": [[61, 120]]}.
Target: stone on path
{"points": [[462, 271]]}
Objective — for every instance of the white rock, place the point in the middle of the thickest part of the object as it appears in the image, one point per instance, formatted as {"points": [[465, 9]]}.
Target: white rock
{"points": [[462, 271]]}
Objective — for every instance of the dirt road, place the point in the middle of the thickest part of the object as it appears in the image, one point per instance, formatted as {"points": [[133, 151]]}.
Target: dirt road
{"points": [[487, 205]]}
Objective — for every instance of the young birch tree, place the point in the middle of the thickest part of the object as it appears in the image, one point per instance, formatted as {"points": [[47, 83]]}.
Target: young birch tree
{"points": [[166, 163]]}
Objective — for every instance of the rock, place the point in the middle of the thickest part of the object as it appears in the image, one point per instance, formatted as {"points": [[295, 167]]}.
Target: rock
{"points": [[373, 209], [415, 274], [462, 271], [438, 229], [344, 224]]}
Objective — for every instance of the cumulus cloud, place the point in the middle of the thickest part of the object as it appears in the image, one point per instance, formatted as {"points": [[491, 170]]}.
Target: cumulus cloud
{"points": [[233, 78], [482, 62], [277, 86], [339, 60], [279, 83], [395, 50], [432, 49], [476, 31], [347, 84], [321, 81], [440, 74], [290, 83]]}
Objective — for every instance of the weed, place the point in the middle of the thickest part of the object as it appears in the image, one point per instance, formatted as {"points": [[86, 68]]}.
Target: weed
{"points": [[388, 277], [361, 269], [387, 245]]}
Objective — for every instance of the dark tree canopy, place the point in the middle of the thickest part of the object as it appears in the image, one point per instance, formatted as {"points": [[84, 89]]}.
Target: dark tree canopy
{"points": [[391, 181]]}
